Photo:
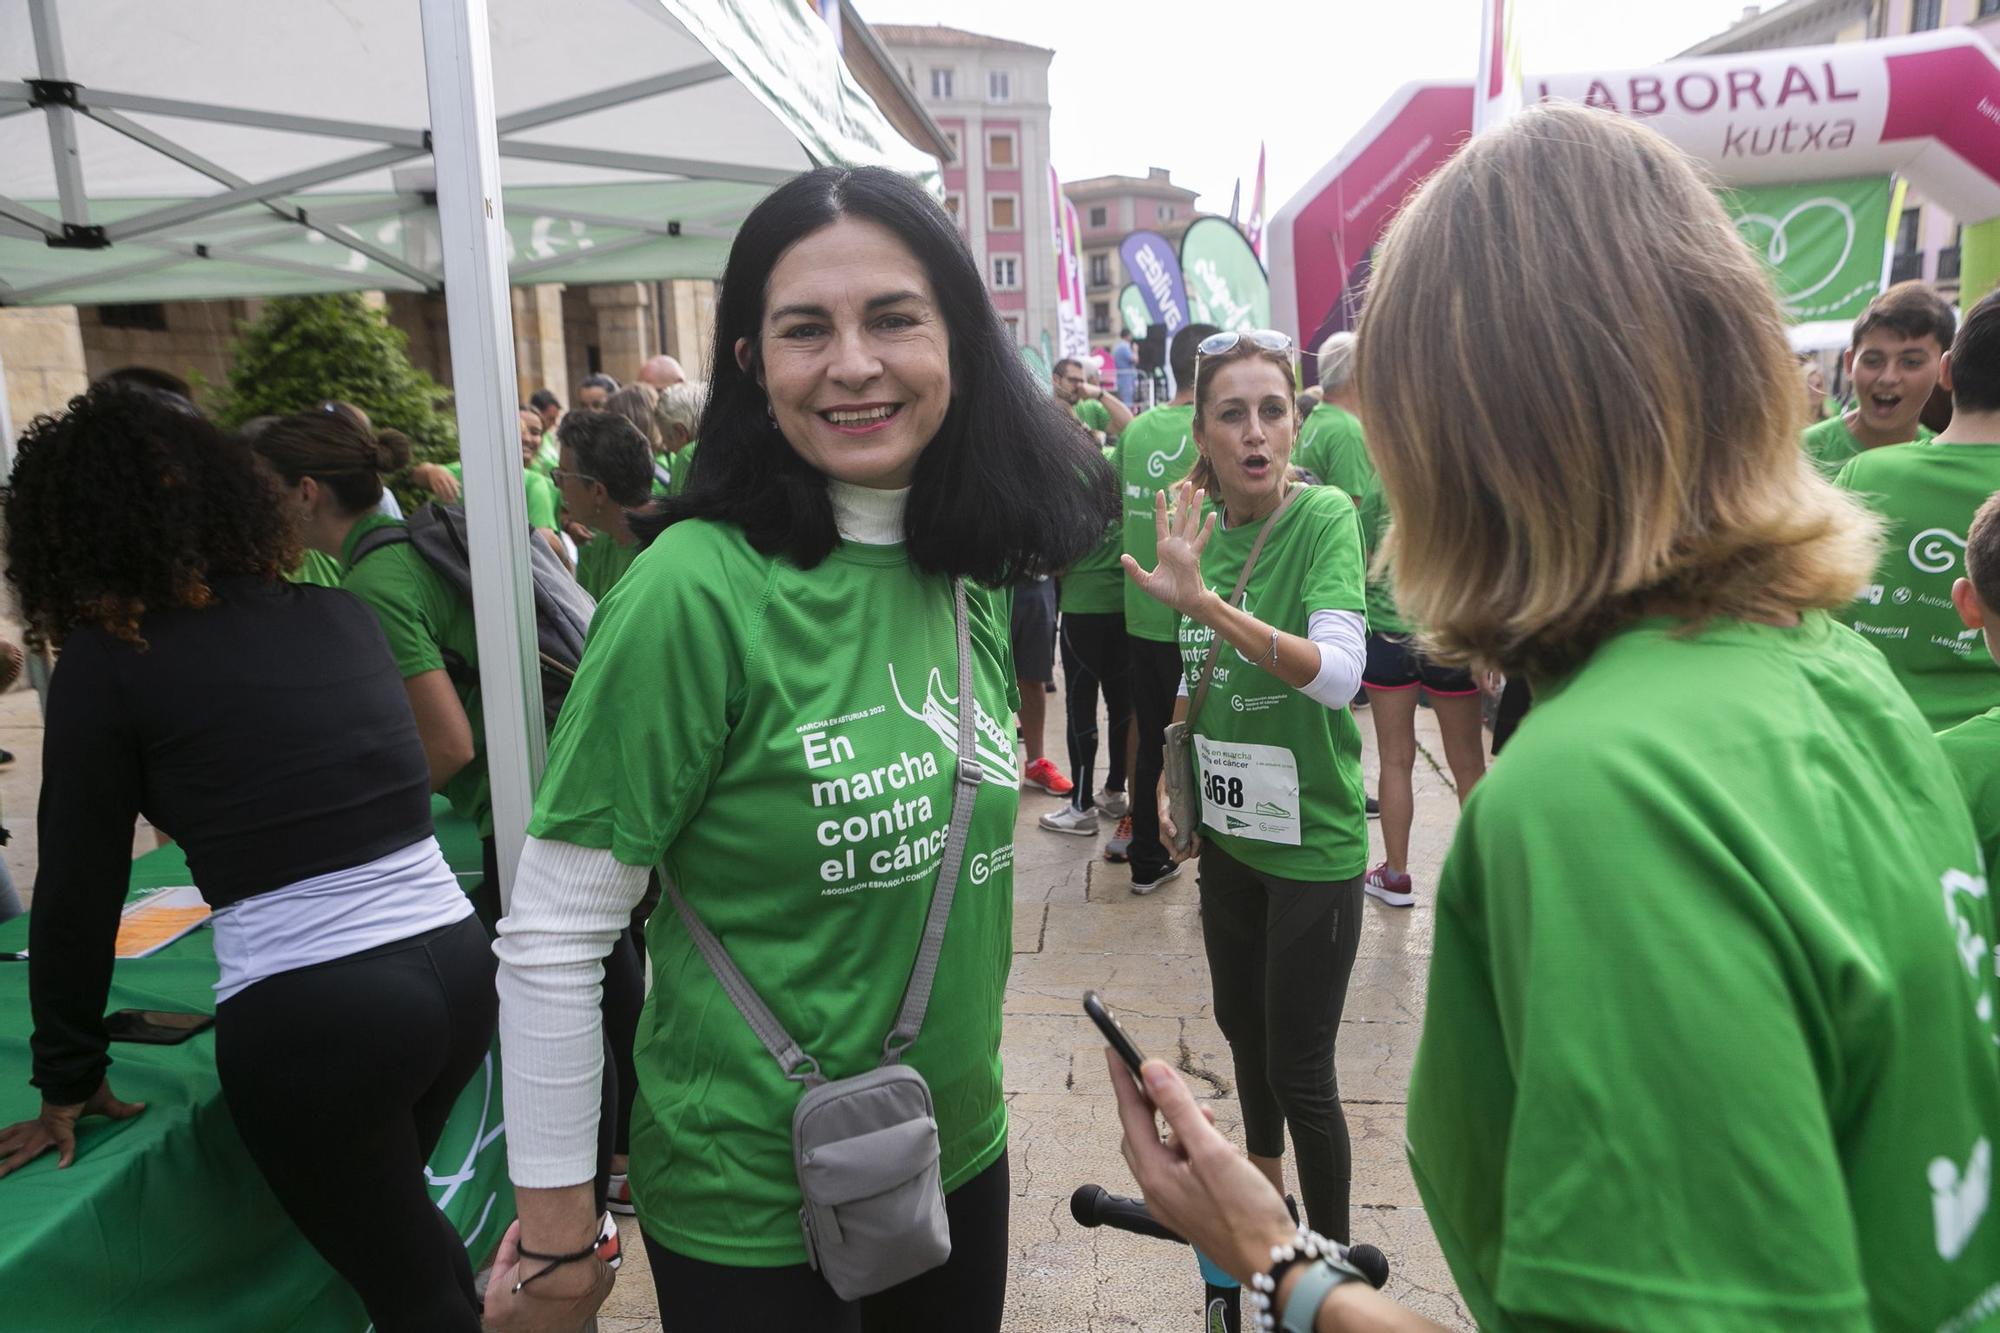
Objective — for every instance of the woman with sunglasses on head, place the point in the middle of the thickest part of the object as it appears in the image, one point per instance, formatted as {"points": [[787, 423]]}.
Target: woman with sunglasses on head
{"points": [[263, 724], [1269, 665], [1710, 1036]]}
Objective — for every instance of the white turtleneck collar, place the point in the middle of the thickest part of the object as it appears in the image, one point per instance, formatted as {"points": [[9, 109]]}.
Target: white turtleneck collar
{"points": [[867, 516]]}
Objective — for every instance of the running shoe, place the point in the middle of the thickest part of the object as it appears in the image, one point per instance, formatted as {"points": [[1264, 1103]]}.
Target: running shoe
{"points": [[1120, 843], [1048, 777], [1392, 888], [619, 1197], [1069, 819], [1151, 882], [1113, 803], [1372, 806]]}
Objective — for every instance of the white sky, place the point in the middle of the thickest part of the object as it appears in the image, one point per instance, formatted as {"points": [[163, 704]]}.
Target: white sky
{"points": [[1192, 85]]}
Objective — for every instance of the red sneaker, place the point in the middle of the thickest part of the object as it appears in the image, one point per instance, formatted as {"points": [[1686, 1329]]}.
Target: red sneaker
{"points": [[1393, 888], [1048, 777]]}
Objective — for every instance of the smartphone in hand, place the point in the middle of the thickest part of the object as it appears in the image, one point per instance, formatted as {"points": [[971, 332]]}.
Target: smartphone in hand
{"points": [[1114, 1035]]}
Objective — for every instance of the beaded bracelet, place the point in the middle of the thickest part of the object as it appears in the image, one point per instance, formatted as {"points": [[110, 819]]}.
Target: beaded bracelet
{"points": [[1306, 1247]]}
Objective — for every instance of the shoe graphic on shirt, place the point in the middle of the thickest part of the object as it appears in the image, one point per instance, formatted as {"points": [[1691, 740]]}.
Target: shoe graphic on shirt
{"points": [[1273, 809], [1958, 1202], [994, 748]]}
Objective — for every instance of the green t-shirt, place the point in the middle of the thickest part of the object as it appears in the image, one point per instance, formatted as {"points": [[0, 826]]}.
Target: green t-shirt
{"points": [[1973, 746], [1830, 443], [1279, 773], [1330, 447], [317, 567], [1383, 617], [1155, 452], [1709, 1039], [676, 464], [602, 562], [1092, 414], [786, 740], [544, 501], [1095, 585], [423, 616], [1927, 494], [549, 456]]}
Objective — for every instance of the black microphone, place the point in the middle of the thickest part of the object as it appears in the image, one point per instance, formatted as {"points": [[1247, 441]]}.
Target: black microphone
{"points": [[1095, 1206], [1371, 1262]]}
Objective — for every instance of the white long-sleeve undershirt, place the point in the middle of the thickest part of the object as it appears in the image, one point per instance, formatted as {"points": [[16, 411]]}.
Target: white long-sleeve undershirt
{"points": [[1342, 640]]}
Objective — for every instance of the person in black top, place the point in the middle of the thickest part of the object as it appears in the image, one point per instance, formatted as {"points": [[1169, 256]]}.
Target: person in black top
{"points": [[262, 724]]}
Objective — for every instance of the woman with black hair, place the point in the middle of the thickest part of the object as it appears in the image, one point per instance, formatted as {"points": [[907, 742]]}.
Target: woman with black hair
{"points": [[263, 725], [769, 711]]}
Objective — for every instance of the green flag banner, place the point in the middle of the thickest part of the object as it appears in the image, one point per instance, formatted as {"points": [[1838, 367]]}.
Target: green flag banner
{"points": [[1824, 241], [1225, 283], [1132, 310]]}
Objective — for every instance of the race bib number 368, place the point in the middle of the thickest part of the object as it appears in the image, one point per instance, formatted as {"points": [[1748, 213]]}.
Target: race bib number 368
{"points": [[1249, 791]]}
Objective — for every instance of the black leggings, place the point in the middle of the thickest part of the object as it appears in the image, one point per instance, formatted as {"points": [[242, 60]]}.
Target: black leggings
{"points": [[1156, 675], [1093, 658], [624, 993], [1279, 954], [340, 1078], [966, 1294]]}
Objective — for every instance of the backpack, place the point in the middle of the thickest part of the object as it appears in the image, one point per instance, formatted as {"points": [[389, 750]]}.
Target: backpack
{"points": [[562, 608]]}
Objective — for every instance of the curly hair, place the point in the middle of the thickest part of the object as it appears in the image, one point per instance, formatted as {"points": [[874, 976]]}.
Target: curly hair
{"points": [[125, 503]]}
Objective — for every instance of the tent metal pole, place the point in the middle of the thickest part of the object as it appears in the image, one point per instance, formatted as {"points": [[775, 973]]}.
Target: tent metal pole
{"points": [[187, 157], [568, 257], [257, 192], [458, 64], [638, 90], [33, 294], [647, 163], [357, 281], [32, 217], [62, 120], [398, 135]]}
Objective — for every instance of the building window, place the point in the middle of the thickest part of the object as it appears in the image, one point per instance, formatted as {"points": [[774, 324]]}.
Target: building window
{"points": [[954, 204], [941, 84], [148, 317], [1165, 212], [1003, 213], [1923, 15], [1908, 261], [1099, 217], [999, 85], [1006, 273], [1013, 323], [1100, 270], [1000, 151], [1988, 8], [1100, 316], [1949, 257], [951, 137]]}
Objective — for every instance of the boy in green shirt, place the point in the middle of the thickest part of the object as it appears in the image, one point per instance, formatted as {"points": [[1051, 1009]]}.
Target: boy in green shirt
{"points": [[1893, 364], [605, 470], [1924, 492]]}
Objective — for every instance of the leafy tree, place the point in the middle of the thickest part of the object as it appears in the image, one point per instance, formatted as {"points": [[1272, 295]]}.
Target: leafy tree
{"points": [[305, 350]]}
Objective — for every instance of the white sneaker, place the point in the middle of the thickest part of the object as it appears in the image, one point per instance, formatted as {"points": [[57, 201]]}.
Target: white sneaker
{"points": [[1113, 803], [1069, 819]]}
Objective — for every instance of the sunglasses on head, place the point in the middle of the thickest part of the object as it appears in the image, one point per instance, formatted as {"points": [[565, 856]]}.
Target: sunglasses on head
{"points": [[1269, 340], [560, 475]]}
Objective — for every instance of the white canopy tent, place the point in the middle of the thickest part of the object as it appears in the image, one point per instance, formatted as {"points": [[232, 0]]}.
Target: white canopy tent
{"points": [[232, 148]]}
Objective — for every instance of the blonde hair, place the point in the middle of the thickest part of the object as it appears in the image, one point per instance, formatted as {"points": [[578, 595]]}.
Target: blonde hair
{"points": [[1579, 398], [636, 403], [1202, 474], [681, 405]]}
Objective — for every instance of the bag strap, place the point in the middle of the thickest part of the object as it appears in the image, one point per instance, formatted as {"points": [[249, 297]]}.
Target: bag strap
{"points": [[1235, 598], [792, 1059]]}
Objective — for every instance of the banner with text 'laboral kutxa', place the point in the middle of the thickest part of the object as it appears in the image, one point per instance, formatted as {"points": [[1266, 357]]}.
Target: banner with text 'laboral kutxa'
{"points": [[1826, 243]]}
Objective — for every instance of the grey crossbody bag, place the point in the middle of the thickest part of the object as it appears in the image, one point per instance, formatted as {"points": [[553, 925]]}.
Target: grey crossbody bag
{"points": [[1183, 800], [866, 1148]]}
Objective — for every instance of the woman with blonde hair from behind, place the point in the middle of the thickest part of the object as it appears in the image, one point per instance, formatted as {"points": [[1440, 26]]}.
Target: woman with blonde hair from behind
{"points": [[1710, 1033]]}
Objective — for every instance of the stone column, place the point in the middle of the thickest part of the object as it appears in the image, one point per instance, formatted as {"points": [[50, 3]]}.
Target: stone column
{"points": [[41, 351], [540, 358], [624, 327]]}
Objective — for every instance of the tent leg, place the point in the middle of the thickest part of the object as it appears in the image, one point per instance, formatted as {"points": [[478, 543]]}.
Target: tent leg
{"points": [[458, 64]]}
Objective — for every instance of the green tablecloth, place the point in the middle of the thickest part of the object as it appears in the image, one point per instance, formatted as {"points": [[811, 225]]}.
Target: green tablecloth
{"points": [[162, 1223]]}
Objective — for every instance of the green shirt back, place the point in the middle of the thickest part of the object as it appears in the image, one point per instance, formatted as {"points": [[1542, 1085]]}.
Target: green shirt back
{"points": [[1928, 495], [1155, 452], [422, 616], [1830, 443], [786, 740], [1709, 1042], [1331, 448], [602, 562], [1973, 747], [1093, 414], [317, 567], [1095, 585], [1279, 773]]}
